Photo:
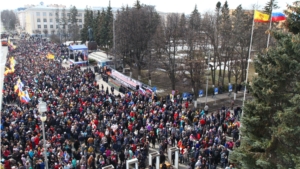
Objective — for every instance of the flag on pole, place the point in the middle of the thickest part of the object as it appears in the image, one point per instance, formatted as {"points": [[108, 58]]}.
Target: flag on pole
{"points": [[278, 16], [27, 95], [23, 98], [261, 17], [142, 91], [50, 56], [19, 86]]}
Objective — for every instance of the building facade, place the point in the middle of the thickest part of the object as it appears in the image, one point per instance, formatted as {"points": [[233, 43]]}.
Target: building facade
{"points": [[46, 19]]}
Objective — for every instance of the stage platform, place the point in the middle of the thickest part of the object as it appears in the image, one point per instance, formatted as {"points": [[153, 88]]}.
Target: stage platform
{"points": [[79, 63]]}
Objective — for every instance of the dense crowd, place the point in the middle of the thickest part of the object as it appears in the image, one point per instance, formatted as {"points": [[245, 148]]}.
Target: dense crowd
{"points": [[89, 126]]}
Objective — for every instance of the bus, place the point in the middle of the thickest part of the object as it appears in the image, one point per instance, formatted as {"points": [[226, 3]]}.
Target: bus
{"points": [[4, 38], [4, 42]]}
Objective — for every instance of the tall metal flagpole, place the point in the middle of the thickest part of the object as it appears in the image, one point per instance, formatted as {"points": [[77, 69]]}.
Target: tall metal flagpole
{"points": [[270, 27], [250, 48]]}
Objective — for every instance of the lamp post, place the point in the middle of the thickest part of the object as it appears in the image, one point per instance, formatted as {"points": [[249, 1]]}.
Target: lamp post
{"points": [[114, 45], [42, 109], [207, 59], [59, 33]]}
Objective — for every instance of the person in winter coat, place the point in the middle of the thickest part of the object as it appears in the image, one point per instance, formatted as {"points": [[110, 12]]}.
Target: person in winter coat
{"points": [[122, 156]]}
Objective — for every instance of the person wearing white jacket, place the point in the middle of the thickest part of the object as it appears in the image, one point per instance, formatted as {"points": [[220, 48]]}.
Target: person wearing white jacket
{"points": [[198, 164]]}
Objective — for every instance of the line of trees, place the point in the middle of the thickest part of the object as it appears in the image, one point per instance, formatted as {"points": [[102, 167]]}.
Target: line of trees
{"points": [[9, 19], [68, 24], [102, 24], [177, 43]]}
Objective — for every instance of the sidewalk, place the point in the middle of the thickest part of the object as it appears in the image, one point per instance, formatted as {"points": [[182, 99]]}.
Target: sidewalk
{"points": [[218, 97], [106, 85]]}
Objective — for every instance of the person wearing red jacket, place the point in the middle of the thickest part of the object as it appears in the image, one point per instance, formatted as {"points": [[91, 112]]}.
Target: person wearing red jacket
{"points": [[202, 122], [56, 166], [186, 104], [130, 126]]}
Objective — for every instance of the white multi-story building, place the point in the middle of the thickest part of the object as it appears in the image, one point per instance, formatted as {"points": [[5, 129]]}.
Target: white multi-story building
{"points": [[43, 18]]}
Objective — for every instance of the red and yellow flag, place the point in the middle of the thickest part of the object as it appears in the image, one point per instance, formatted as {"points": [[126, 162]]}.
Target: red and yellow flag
{"points": [[261, 17]]}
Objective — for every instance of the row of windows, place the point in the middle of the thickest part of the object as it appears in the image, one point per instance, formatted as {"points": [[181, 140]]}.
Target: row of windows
{"points": [[51, 14], [51, 20], [51, 26]]}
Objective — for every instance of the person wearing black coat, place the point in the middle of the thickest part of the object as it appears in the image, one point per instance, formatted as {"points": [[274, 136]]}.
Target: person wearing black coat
{"points": [[162, 158], [122, 157], [76, 145]]}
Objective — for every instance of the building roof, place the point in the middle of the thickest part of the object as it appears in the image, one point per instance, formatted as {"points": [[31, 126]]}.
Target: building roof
{"points": [[48, 7], [78, 47], [55, 6]]}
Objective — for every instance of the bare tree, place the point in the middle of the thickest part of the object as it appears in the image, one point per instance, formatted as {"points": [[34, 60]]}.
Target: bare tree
{"points": [[134, 30], [45, 31], [64, 22], [226, 45], [242, 22], [74, 28], [194, 64], [211, 40], [54, 38], [172, 41], [38, 31], [235, 68]]}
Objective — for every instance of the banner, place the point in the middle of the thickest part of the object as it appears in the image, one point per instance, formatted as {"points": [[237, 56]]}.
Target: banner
{"points": [[154, 89], [230, 88], [185, 96], [125, 80], [200, 93], [216, 90]]}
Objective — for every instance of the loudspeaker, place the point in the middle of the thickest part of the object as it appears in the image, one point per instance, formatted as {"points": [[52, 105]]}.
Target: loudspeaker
{"points": [[137, 87], [96, 69]]}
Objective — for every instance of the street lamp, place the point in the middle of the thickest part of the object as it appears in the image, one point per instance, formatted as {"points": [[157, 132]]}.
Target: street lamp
{"points": [[59, 26], [207, 59], [42, 109]]}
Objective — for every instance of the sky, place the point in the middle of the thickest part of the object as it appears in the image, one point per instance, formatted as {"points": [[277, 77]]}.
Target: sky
{"points": [[180, 6]]}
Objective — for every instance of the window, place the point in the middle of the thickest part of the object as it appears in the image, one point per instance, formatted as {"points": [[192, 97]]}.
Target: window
{"points": [[44, 13], [51, 26], [68, 14], [45, 26], [56, 26], [39, 26], [80, 26], [44, 20], [79, 14], [50, 14], [69, 26], [38, 20], [51, 20], [57, 20], [38, 14], [80, 20]]}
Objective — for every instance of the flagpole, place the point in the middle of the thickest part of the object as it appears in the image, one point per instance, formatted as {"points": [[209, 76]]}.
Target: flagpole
{"points": [[245, 89], [270, 27]]}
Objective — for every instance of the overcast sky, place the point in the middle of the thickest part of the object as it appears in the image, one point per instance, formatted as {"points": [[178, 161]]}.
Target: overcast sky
{"points": [[181, 6]]}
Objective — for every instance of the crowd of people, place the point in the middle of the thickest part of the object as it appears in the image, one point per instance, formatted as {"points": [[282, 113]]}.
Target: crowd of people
{"points": [[88, 126]]}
